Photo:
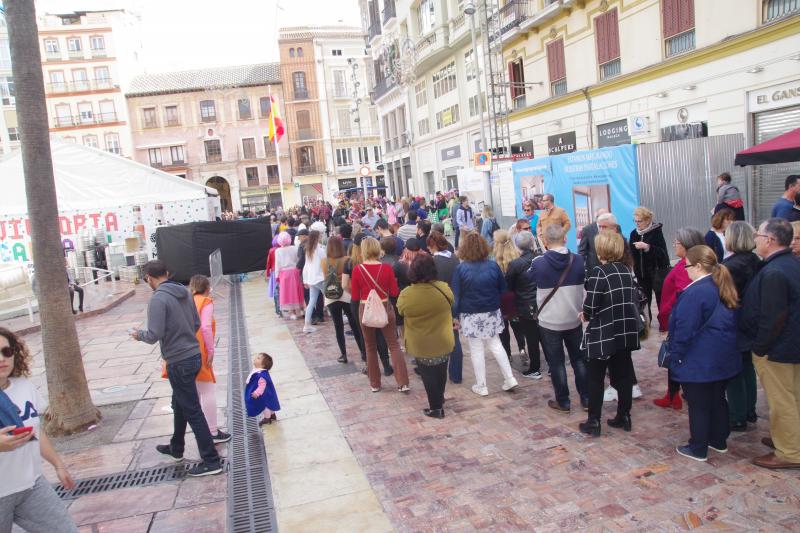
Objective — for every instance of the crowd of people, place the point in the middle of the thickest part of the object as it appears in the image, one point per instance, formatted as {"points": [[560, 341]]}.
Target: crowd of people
{"points": [[388, 271]]}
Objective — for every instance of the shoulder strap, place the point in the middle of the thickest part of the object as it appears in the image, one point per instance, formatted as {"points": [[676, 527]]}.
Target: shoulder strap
{"points": [[560, 281], [433, 284], [375, 283]]}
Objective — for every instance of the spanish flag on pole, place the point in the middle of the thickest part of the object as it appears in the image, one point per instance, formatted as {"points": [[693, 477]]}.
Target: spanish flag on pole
{"points": [[275, 122]]}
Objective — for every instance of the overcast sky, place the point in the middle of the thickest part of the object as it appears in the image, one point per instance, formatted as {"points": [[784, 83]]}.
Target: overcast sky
{"points": [[187, 34]]}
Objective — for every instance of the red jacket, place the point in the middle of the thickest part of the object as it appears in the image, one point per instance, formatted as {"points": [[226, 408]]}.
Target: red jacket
{"points": [[677, 280], [270, 262]]}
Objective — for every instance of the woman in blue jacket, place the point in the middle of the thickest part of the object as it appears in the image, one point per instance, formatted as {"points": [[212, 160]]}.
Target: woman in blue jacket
{"points": [[477, 284], [703, 352]]}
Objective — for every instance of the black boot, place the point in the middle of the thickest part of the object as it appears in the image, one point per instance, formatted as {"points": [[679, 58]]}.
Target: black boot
{"points": [[620, 421], [434, 413], [387, 367], [590, 427], [342, 359]]}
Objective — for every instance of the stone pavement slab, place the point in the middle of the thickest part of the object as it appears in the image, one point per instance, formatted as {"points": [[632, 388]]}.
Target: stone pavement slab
{"points": [[317, 482], [507, 462]]}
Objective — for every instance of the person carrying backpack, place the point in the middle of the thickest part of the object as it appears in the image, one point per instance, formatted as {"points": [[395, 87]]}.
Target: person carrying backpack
{"points": [[489, 225]]}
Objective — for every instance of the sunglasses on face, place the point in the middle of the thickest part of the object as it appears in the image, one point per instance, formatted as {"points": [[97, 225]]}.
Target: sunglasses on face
{"points": [[8, 352]]}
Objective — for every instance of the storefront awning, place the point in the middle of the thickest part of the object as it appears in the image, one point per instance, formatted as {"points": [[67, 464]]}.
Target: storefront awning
{"points": [[782, 149]]}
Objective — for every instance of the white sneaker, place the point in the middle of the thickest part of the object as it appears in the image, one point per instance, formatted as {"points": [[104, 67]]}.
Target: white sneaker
{"points": [[610, 395], [509, 384], [293, 317], [309, 329], [480, 390], [636, 392]]}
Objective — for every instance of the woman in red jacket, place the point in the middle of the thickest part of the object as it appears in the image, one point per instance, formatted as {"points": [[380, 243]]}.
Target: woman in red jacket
{"points": [[372, 274], [675, 282]]}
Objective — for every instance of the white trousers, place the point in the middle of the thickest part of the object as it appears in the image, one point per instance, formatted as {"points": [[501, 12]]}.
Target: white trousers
{"points": [[208, 401], [476, 352]]}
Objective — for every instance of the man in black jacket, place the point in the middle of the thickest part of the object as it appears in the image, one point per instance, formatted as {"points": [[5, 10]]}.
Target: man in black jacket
{"points": [[769, 322], [524, 289], [588, 233]]}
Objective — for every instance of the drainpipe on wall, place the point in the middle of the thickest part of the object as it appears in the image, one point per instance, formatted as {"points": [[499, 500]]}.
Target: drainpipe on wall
{"points": [[590, 131]]}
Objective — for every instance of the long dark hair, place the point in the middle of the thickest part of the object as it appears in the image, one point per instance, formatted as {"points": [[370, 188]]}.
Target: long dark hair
{"points": [[311, 243]]}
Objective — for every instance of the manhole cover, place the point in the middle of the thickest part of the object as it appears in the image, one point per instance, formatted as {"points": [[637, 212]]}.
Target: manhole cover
{"points": [[339, 369], [115, 388]]}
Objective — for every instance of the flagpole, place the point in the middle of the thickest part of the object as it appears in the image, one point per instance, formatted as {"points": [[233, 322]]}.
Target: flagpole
{"points": [[277, 149]]}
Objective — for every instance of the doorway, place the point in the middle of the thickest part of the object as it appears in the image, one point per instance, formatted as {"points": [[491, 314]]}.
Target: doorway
{"points": [[221, 185]]}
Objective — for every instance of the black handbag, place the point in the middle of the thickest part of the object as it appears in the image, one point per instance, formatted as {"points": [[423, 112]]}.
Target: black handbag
{"points": [[663, 354]]}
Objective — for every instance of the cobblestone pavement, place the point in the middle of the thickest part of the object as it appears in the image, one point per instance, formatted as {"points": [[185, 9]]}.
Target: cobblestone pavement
{"points": [[507, 462], [125, 381]]}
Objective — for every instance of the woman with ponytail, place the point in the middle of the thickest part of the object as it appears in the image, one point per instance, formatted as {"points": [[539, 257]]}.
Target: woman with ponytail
{"points": [[703, 352]]}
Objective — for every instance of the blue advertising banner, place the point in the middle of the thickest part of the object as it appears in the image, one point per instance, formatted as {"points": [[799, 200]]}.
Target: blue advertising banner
{"points": [[530, 178], [585, 181]]}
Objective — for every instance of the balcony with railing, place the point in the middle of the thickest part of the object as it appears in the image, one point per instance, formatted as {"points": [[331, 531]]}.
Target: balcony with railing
{"points": [[557, 88], [76, 54], [389, 11], [84, 120], [304, 134], [459, 29], [432, 47], [99, 52], [340, 90], [51, 55], [381, 88], [308, 170], [80, 86], [512, 14], [374, 29]]}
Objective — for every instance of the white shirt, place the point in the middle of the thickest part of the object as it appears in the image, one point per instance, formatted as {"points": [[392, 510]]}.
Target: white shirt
{"points": [[285, 257], [20, 468], [312, 271]]}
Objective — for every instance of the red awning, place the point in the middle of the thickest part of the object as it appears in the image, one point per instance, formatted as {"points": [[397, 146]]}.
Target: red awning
{"points": [[782, 149]]}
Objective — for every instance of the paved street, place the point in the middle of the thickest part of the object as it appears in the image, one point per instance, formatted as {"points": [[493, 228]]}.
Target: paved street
{"points": [[344, 459]]}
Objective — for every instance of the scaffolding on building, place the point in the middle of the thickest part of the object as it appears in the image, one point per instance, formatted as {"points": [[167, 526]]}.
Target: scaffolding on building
{"points": [[496, 83]]}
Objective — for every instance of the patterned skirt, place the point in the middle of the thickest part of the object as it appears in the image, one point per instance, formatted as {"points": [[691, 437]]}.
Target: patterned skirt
{"points": [[481, 325]]}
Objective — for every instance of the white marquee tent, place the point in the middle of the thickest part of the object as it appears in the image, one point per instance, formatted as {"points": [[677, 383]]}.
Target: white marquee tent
{"points": [[91, 179]]}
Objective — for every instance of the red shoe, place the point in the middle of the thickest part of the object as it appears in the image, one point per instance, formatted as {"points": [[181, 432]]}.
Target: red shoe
{"points": [[665, 401], [677, 402]]}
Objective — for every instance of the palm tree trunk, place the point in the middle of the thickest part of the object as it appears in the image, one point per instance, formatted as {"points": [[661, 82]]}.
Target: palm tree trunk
{"points": [[71, 408]]}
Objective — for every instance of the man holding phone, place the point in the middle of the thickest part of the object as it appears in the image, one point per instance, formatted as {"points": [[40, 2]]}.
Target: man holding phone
{"points": [[172, 321]]}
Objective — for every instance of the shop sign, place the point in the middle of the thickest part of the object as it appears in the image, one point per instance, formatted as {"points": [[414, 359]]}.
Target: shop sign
{"points": [[613, 134], [638, 125], [454, 152], [777, 96], [347, 183], [563, 143]]}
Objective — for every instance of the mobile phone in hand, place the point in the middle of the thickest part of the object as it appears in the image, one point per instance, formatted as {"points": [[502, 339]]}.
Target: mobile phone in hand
{"points": [[21, 431]]}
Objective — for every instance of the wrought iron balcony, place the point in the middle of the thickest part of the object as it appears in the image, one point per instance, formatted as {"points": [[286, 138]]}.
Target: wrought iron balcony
{"points": [[307, 170], [84, 120], [374, 29], [389, 11], [512, 14], [80, 86]]}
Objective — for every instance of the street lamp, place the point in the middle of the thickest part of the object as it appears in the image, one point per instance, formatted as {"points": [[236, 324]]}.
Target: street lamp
{"points": [[357, 111], [469, 10]]}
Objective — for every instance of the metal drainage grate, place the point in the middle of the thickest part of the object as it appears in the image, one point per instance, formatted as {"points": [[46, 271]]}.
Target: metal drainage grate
{"points": [[250, 504], [329, 371], [124, 480]]}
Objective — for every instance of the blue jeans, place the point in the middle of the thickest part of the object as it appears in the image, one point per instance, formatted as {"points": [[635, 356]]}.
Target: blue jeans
{"points": [[314, 294], [553, 345], [456, 364], [186, 409]]}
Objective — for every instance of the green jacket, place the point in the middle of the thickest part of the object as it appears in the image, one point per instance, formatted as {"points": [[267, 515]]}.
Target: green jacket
{"points": [[428, 322]]}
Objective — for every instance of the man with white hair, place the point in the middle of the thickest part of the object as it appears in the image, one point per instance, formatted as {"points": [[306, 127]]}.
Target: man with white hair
{"points": [[559, 275]]}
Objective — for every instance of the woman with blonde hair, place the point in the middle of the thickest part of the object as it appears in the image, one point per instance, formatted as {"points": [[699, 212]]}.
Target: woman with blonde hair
{"points": [[703, 354], [477, 285], [796, 238], [504, 253]]}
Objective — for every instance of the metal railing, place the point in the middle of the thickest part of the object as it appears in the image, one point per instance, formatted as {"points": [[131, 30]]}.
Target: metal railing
{"points": [[340, 91], [300, 94], [306, 170], [512, 14], [76, 54], [681, 43], [304, 134], [53, 56], [557, 88], [83, 120], [80, 86], [610, 69], [374, 29], [213, 158], [382, 87], [389, 11]]}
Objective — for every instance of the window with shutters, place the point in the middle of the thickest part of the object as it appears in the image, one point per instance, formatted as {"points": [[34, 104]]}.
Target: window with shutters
{"points": [[176, 153], [677, 21], [557, 68], [252, 176], [213, 151], [776, 9], [249, 148], [421, 93], [444, 80], [208, 112], [149, 117], [343, 118], [243, 104], [516, 78], [424, 127], [377, 153], [155, 157], [363, 155], [606, 31], [272, 175], [299, 83]]}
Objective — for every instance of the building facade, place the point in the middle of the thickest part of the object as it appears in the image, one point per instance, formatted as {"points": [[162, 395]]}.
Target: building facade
{"points": [[88, 60], [9, 133], [425, 89], [210, 126], [351, 138], [605, 72]]}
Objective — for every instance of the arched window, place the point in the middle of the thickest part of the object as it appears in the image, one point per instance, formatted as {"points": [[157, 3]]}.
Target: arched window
{"points": [[299, 52], [291, 52]]}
